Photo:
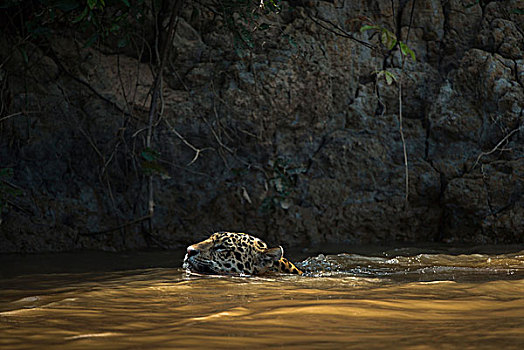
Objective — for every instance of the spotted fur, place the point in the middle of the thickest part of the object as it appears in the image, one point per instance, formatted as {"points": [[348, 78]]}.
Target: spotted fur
{"points": [[236, 253]]}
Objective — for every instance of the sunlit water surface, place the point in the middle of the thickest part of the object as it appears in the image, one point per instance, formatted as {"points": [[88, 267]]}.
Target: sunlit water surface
{"points": [[420, 301]]}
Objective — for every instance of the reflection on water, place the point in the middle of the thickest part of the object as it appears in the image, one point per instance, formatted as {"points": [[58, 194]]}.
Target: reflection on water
{"points": [[424, 301]]}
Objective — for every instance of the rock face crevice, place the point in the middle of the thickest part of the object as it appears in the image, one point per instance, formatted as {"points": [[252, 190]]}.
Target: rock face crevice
{"points": [[295, 140]]}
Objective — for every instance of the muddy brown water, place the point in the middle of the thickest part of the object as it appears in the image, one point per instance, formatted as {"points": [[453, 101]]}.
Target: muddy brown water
{"points": [[399, 299]]}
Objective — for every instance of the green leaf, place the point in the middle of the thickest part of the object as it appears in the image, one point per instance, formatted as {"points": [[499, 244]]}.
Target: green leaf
{"points": [[24, 55], [388, 76], [126, 3], [150, 154], [368, 27], [272, 6], [412, 54], [392, 75], [6, 173], [518, 11], [92, 3], [290, 40], [82, 15], [114, 28], [407, 51], [388, 39], [384, 38], [391, 43], [389, 79]]}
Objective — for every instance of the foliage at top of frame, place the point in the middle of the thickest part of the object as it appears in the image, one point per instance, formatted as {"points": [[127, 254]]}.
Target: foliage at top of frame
{"points": [[100, 19]]}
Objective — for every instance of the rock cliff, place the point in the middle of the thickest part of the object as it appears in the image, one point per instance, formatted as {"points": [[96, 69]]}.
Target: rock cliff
{"points": [[294, 140]]}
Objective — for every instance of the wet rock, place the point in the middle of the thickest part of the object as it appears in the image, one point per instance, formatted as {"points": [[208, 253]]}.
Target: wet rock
{"points": [[466, 205], [503, 37], [463, 22]]}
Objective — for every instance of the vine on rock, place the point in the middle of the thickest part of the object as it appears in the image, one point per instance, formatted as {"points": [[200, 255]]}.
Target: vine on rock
{"points": [[390, 41]]}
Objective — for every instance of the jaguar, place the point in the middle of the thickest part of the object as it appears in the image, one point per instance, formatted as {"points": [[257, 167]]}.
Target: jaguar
{"points": [[236, 253]]}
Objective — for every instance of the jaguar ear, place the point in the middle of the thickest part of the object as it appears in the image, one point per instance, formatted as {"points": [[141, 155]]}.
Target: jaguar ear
{"points": [[272, 255]]}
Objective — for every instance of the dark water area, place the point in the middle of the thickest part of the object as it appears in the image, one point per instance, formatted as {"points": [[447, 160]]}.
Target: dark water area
{"points": [[431, 297]]}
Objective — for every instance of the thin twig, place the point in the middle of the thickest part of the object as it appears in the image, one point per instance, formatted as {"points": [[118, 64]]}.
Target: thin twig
{"points": [[406, 167], [215, 95], [10, 116], [91, 142], [12, 185], [111, 156], [17, 114], [215, 134], [496, 147], [339, 31], [57, 61], [185, 168], [117, 228], [400, 119], [122, 86], [175, 8], [187, 143]]}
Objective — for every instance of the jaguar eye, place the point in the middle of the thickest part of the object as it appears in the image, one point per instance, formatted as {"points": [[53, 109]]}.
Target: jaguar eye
{"points": [[220, 248]]}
